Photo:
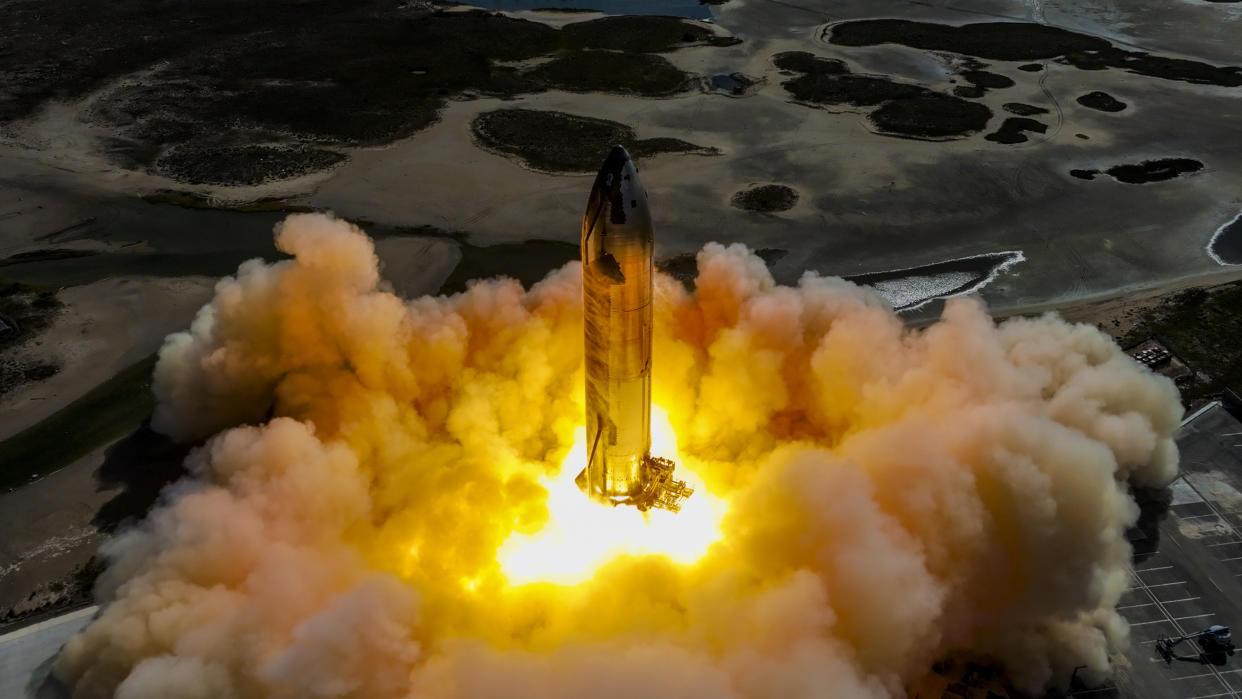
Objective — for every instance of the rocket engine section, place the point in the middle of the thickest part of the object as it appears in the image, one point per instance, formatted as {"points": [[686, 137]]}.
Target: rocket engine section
{"points": [[617, 268]]}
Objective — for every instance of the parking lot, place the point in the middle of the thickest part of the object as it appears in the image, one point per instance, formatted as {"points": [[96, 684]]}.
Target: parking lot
{"points": [[1187, 572]]}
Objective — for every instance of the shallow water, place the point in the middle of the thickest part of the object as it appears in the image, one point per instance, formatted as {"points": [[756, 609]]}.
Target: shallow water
{"points": [[675, 8], [1226, 245], [725, 82], [913, 288]]}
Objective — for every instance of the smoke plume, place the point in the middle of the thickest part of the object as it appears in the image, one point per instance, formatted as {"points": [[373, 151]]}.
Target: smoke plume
{"points": [[894, 496]]}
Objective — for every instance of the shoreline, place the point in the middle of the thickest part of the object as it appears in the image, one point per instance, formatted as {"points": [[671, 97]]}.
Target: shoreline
{"points": [[1211, 245], [1128, 293]]}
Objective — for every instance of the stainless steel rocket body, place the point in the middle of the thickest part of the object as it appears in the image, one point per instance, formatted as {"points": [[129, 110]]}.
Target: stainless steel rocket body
{"points": [[617, 267]]}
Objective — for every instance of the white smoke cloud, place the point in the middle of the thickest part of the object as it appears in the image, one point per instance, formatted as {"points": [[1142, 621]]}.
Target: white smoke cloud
{"points": [[895, 496]]}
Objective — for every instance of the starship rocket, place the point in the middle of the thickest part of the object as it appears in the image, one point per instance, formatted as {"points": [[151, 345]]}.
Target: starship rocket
{"points": [[617, 268]]}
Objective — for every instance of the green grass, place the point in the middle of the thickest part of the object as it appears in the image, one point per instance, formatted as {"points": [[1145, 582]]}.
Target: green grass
{"points": [[106, 412]]}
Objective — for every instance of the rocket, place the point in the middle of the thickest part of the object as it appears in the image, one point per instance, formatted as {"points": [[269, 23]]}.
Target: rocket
{"points": [[617, 268]]}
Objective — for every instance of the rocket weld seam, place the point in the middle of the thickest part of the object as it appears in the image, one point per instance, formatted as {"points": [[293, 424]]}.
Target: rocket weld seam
{"points": [[593, 217]]}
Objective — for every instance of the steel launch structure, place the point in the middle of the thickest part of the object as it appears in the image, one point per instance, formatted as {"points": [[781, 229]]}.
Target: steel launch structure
{"points": [[617, 269]]}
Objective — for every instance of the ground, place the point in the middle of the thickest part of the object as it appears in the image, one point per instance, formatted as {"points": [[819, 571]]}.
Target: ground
{"points": [[137, 167], [1187, 563]]}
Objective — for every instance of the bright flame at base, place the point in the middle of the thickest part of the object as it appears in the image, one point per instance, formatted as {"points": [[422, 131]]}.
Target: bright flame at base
{"points": [[582, 535]]}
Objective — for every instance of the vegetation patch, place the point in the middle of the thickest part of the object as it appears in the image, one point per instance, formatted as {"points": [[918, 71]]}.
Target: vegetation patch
{"points": [[245, 165], [980, 82], [1025, 110], [1154, 170], [1013, 130], [25, 310], [931, 115], [192, 200], [608, 71], [1025, 41], [904, 109], [1146, 171], [1102, 101], [205, 82], [1204, 329], [105, 413], [768, 198], [829, 81], [986, 80], [559, 142], [17, 373], [640, 34], [803, 62], [854, 90]]}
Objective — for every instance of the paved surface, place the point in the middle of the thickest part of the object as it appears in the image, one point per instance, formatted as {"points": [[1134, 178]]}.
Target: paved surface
{"points": [[1187, 569], [26, 654]]}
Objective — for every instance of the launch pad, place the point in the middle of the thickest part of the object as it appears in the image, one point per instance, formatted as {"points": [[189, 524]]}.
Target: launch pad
{"points": [[659, 489]]}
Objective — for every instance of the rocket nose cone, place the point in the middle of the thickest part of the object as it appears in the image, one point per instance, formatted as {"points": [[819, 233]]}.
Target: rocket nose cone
{"points": [[618, 194], [615, 165], [618, 153]]}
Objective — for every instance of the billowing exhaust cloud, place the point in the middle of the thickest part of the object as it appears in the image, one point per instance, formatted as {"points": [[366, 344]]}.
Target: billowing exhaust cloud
{"points": [[888, 497]]}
